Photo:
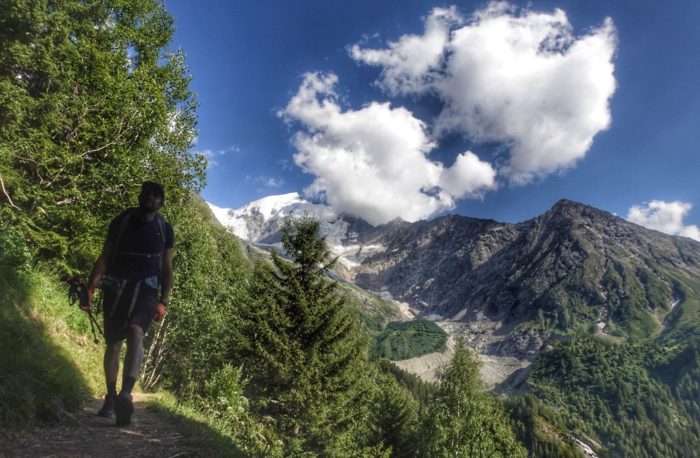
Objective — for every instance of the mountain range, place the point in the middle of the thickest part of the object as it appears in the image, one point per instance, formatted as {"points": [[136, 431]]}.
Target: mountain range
{"points": [[507, 289]]}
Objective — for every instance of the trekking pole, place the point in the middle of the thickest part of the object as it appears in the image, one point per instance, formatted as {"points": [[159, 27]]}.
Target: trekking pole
{"points": [[94, 324], [77, 292]]}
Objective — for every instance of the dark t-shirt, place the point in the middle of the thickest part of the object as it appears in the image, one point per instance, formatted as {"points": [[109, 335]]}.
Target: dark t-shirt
{"points": [[140, 246]]}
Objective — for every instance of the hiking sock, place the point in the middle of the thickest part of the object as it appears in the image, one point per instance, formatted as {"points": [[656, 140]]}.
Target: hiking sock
{"points": [[128, 384], [112, 388]]}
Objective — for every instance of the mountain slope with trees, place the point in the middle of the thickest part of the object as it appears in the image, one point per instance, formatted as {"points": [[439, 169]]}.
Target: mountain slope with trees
{"points": [[93, 103]]}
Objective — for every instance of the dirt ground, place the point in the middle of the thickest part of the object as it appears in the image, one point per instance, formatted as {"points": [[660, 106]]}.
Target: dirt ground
{"points": [[151, 434]]}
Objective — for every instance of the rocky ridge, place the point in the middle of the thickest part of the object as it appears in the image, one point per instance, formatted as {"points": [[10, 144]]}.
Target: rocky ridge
{"points": [[508, 289]]}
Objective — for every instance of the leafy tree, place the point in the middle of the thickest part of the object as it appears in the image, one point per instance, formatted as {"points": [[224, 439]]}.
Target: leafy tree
{"points": [[540, 429], [210, 283], [304, 352], [92, 103], [464, 421], [409, 339], [421, 390]]}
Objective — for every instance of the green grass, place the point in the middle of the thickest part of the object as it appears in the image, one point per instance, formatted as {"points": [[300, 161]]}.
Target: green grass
{"points": [[211, 438], [373, 312], [47, 355], [642, 325]]}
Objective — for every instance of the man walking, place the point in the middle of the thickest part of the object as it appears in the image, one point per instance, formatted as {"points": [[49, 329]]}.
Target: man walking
{"points": [[136, 261]]}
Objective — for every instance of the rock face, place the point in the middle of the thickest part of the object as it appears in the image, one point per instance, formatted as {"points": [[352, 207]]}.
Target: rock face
{"points": [[509, 288]]}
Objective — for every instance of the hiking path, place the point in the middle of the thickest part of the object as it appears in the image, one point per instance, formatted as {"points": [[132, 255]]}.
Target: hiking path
{"points": [[84, 434]]}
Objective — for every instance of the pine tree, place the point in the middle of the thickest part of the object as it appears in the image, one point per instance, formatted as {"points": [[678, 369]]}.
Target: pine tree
{"points": [[395, 417], [462, 421], [304, 352]]}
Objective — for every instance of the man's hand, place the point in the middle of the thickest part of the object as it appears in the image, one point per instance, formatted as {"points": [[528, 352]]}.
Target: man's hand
{"points": [[87, 303], [160, 312]]}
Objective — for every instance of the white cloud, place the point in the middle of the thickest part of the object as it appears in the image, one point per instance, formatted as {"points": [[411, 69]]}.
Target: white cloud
{"points": [[409, 63], [373, 162], [213, 156], [522, 79], [665, 217]]}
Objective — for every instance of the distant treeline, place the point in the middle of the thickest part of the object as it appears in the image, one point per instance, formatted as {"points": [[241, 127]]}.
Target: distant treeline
{"points": [[404, 340]]}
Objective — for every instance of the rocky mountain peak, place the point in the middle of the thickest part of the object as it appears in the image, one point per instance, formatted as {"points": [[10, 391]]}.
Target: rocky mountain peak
{"points": [[507, 288], [570, 209]]}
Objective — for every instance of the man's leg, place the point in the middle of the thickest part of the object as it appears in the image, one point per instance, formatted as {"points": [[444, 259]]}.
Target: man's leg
{"points": [[111, 365], [111, 368], [132, 363], [133, 358]]}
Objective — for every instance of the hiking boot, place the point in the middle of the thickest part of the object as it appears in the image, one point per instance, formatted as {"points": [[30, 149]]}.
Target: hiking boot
{"points": [[107, 410], [124, 408]]}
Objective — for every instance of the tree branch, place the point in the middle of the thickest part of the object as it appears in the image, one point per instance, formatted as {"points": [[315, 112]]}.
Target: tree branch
{"points": [[4, 191]]}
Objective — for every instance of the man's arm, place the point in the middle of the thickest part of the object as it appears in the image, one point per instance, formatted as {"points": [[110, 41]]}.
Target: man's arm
{"points": [[166, 283], [98, 270]]}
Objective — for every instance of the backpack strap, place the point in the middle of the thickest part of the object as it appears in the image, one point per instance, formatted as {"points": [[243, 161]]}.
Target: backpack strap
{"points": [[115, 246], [161, 228]]}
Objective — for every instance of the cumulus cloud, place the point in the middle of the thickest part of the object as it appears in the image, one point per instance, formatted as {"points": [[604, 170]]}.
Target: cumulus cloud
{"points": [[408, 64], [665, 217], [373, 162], [513, 76]]}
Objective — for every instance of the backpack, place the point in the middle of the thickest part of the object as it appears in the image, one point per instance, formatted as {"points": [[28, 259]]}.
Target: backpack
{"points": [[120, 231]]}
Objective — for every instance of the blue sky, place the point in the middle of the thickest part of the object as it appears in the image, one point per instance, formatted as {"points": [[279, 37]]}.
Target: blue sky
{"points": [[601, 111]]}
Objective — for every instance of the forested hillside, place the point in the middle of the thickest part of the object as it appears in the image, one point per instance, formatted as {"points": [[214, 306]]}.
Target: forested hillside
{"points": [[272, 355], [269, 351]]}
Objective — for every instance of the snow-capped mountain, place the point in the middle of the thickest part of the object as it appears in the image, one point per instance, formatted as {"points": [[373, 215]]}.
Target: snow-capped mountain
{"points": [[508, 289], [261, 218], [259, 222]]}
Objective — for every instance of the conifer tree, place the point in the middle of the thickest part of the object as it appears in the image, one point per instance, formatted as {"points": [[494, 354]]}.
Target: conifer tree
{"points": [[462, 421], [395, 417], [304, 352]]}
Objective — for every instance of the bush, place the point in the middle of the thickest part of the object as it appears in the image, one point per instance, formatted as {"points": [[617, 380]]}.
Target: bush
{"points": [[13, 248]]}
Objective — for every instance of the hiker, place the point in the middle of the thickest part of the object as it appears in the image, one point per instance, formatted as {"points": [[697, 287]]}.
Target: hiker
{"points": [[136, 260]]}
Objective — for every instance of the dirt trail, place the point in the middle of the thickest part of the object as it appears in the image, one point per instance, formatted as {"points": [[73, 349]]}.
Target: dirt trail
{"points": [[151, 434]]}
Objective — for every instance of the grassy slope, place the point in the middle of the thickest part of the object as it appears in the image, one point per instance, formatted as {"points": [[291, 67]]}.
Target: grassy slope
{"points": [[372, 311], [49, 362], [47, 353]]}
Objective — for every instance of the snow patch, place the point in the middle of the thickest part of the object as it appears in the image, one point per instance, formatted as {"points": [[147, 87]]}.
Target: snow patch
{"points": [[263, 217]]}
